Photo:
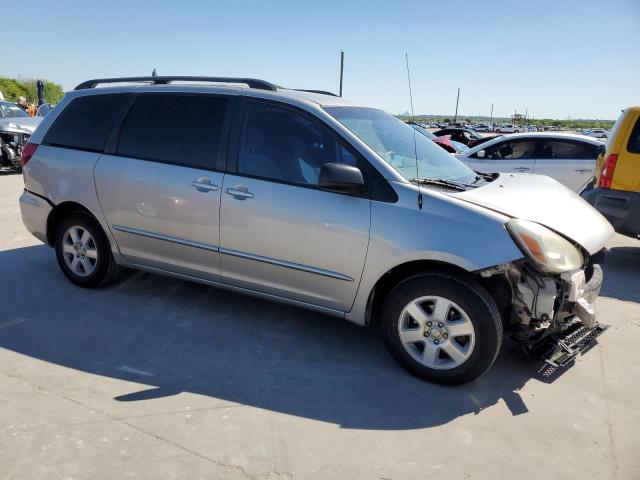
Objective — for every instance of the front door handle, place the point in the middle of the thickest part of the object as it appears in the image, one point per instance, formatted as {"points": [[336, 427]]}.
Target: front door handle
{"points": [[583, 170], [522, 169], [239, 192], [204, 185]]}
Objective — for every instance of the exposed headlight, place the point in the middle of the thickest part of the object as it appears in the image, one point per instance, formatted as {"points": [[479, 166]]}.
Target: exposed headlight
{"points": [[546, 248]]}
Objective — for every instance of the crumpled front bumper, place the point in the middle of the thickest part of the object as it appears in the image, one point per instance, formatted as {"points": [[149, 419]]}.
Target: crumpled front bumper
{"points": [[586, 296], [562, 347]]}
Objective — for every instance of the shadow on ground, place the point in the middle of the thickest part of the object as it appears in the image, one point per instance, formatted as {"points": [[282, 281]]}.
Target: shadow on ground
{"points": [[179, 336], [622, 274], [9, 170]]}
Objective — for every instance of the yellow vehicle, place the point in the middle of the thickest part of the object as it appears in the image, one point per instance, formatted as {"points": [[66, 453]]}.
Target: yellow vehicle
{"points": [[617, 186]]}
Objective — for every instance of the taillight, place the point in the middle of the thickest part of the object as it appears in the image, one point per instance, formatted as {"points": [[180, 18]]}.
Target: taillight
{"points": [[607, 172], [27, 152]]}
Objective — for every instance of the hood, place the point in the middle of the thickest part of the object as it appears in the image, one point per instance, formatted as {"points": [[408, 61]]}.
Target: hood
{"points": [[20, 124], [541, 199]]}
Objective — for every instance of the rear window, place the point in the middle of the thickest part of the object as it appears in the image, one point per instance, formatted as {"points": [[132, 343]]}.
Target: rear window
{"points": [[174, 128], [86, 123], [634, 139]]}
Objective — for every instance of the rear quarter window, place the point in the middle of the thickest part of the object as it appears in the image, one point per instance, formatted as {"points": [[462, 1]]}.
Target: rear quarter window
{"points": [[85, 124], [634, 139], [568, 150]]}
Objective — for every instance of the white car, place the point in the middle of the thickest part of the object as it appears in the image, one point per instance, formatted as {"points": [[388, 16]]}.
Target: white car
{"points": [[569, 159], [598, 133], [509, 128]]}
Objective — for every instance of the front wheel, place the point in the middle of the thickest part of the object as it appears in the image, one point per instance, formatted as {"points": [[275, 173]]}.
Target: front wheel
{"points": [[442, 327]]}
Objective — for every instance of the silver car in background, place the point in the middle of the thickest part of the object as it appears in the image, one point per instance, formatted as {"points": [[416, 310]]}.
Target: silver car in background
{"points": [[305, 198], [16, 126], [569, 159]]}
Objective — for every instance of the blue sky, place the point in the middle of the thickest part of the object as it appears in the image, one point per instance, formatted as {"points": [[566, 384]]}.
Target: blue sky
{"points": [[557, 58]]}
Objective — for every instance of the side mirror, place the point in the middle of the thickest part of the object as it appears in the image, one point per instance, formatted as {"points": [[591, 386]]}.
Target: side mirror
{"points": [[481, 154], [341, 177]]}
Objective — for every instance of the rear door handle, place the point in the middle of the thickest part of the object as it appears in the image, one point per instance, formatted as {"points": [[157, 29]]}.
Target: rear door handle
{"points": [[583, 170], [204, 185], [239, 192], [522, 169]]}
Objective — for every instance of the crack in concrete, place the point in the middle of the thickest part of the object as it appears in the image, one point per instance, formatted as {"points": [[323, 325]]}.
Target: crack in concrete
{"points": [[609, 421], [230, 468]]}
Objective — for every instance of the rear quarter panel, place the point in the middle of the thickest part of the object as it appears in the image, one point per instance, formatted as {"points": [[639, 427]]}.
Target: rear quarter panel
{"points": [[65, 175], [626, 175]]}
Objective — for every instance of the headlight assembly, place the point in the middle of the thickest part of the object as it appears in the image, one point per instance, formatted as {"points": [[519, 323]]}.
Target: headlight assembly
{"points": [[550, 251]]}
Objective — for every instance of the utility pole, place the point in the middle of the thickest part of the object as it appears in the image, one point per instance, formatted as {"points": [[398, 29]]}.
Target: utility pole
{"points": [[491, 121], [455, 118], [341, 69], [526, 116], [406, 57]]}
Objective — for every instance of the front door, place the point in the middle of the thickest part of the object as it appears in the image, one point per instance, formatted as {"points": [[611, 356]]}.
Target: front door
{"points": [[516, 156], [281, 233], [160, 189]]}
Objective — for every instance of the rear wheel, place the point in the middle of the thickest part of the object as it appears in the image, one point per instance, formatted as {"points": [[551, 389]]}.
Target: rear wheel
{"points": [[83, 252], [442, 327]]}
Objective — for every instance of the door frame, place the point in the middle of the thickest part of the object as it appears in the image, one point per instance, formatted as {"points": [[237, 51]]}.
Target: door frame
{"points": [[376, 186]]}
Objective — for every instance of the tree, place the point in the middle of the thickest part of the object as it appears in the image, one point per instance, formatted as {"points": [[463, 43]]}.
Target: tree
{"points": [[12, 89]]}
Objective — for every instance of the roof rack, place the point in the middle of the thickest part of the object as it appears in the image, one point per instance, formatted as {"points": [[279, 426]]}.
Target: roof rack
{"points": [[321, 92], [164, 80]]}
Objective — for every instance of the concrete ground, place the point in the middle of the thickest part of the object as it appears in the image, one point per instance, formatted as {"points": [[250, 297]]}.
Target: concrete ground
{"points": [[158, 378]]}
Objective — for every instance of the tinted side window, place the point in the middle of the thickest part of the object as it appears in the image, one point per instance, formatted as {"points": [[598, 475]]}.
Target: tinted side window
{"points": [[86, 122], [634, 139], [174, 128], [281, 144], [511, 150], [565, 149]]}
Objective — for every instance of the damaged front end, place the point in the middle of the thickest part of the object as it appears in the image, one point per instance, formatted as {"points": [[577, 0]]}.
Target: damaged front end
{"points": [[12, 141], [546, 299], [553, 315]]}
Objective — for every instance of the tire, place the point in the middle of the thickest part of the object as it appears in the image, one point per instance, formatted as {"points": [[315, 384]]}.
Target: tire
{"points": [[94, 264], [466, 310]]}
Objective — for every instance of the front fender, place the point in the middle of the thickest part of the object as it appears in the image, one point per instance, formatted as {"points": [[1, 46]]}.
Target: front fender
{"points": [[445, 230]]}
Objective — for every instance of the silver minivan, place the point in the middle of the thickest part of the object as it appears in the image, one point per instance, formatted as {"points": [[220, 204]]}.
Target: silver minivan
{"points": [[306, 198]]}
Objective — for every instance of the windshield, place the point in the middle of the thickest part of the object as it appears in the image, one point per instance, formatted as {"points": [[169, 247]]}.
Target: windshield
{"points": [[9, 110], [423, 131], [413, 156]]}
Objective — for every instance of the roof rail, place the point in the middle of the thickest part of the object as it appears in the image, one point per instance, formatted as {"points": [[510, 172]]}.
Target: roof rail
{"points": [[164, 80], [321, 92]]}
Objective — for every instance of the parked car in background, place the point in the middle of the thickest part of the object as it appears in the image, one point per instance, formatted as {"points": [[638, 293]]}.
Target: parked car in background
{"points": [[532, 128], [598, 133], [482, 128], [570, 159], [462, 135], [509, 128], [309, 199], [617, 187], [16, 126], [444, 141], [44, 109]]}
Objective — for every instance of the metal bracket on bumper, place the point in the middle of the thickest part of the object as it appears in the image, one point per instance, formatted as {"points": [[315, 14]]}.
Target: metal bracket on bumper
{"points": [[558, 350]]}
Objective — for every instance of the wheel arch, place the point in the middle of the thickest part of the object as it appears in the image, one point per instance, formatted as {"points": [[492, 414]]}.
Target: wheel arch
{"points": [[399, 273], [59, 212]]}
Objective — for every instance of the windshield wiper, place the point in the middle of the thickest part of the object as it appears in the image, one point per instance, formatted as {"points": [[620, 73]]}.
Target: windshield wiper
{"points": [[442, 183]]}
